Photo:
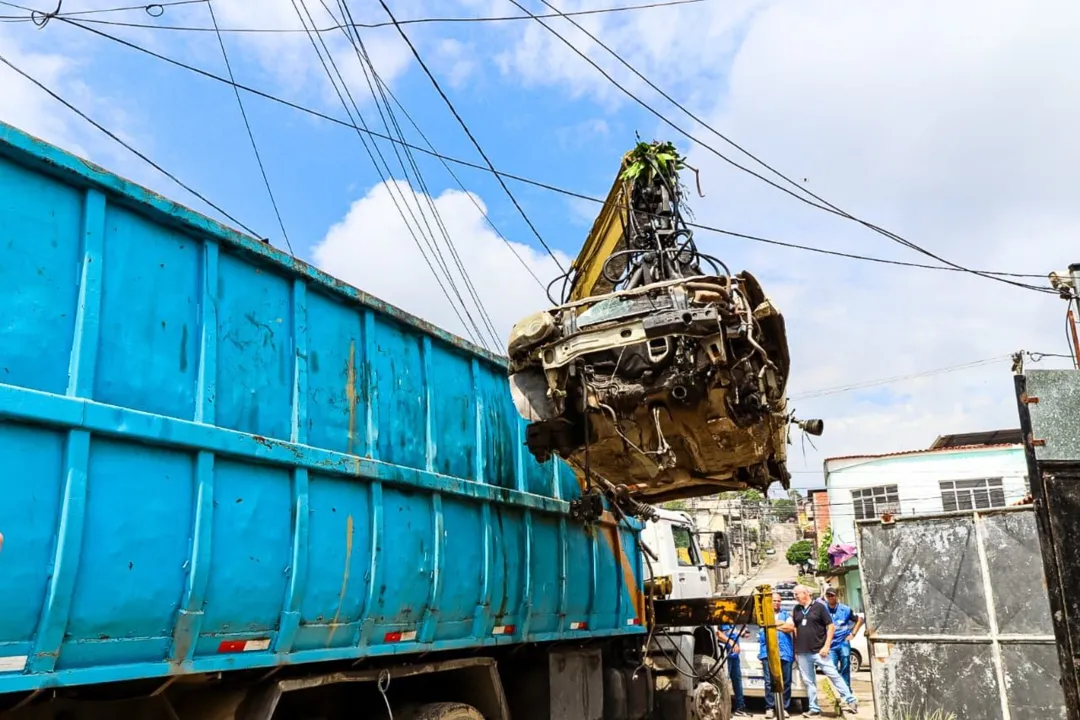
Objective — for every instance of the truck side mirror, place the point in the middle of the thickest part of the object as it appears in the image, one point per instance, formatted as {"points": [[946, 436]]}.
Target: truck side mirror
{"points": [[720, 548]]}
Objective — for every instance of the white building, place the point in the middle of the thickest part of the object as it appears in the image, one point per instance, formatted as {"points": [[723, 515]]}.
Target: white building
{"points": [[958, 472]]}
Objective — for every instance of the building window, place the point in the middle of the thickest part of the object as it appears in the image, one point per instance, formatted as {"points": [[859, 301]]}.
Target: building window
{"points": [[979, 494], [873, 502]]}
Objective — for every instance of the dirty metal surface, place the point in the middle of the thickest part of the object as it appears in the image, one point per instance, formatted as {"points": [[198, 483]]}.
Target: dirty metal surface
{"points": [[1053, 401], [221, 458], [958, 617], [1053, 398], [1048, 403]]}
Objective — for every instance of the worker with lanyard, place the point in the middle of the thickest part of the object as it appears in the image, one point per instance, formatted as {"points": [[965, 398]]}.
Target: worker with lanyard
{"points": [[784, 627], [847, 626]]}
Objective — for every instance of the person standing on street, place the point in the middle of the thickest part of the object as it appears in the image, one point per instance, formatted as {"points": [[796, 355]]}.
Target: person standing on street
{"points": [[785, 627], [734, 666], [814, 631], [847, 626]]}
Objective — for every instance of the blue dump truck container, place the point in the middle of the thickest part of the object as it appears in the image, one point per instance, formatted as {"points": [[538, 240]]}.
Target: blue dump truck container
{"points": [[219, 459]]}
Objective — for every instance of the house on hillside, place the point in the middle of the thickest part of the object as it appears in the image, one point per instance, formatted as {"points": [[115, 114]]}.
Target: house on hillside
{"points": [[970, 471]]}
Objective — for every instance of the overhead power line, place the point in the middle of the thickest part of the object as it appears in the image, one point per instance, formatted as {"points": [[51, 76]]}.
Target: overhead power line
{"points": [[373, 151], [414, 21], [897, 378], [125, 145], [250, 134], [393, 128], [1033, 356], [514, 177], [468, 132], [824, 204]]}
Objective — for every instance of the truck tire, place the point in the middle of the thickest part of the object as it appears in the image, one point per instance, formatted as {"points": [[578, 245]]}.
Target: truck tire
{"points": [[702, 665], [443, 711]]}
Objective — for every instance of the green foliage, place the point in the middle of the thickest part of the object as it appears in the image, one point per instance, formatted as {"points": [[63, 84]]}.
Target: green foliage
{"points": [[784, 509], [648, 159], [909, 713], [679, 505], [748, 494], [800, 552], [823, 549]]}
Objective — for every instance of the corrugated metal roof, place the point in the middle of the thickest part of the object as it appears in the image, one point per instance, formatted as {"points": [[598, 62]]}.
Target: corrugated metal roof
{"points": [[933, 451], [1012, 436]]}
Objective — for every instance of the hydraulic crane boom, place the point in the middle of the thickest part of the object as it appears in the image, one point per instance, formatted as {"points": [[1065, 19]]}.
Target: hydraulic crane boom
{"points": [[735, 610]]}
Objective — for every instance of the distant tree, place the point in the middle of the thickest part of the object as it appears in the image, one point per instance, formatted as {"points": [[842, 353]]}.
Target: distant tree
{"points": [[800, 552], [748, 494], [793, 493], [823, 562], [784, 509], [676, 505]]}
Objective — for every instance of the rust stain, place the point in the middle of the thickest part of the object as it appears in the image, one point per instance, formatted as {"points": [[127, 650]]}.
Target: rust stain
{"points": [[350, 393], [344, 578], [636, 599]]}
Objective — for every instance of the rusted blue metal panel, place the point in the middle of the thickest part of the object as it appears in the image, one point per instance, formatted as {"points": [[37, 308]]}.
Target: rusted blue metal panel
{"points": [[219, 457]]}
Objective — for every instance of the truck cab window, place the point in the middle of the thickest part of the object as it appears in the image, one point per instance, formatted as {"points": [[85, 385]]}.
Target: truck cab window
{"points": [[685, 549]]}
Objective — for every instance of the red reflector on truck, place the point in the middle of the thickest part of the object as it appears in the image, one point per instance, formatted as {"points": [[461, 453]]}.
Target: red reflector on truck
{"points": [[503, 630], [407, 636], [579, 626], [633, 621], [231, 646]]}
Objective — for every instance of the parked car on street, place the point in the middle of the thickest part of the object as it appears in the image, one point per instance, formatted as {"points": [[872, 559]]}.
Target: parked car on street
{"points": [[860, 651]]}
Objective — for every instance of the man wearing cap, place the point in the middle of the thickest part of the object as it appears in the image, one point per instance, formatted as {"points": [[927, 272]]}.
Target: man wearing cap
{"points": [[847, 626], [785, 627]]}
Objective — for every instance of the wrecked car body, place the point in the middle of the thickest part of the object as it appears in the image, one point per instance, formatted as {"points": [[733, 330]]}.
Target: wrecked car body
{"points": [[663, 379]]}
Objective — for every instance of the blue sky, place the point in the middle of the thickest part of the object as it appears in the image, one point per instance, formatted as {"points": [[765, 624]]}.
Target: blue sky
{"points": [[966, 146]]}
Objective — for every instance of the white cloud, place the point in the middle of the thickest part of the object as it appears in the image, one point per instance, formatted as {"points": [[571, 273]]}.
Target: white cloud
{"points": [[290, 58], [371, 248], [456, 60], [949, 123]]}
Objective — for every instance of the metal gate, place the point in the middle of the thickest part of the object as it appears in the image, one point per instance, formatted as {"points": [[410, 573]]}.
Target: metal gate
{"points": [[958, 617]]}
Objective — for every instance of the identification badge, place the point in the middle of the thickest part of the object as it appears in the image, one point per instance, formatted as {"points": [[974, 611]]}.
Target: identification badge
{"points": [[804, 622]]}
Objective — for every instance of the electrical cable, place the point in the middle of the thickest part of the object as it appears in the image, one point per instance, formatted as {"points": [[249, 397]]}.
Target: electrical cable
{"points": [[372, 152], [1033, 356], [518, 178], [827, 207], [460, 185], [468, 132], [415, 21], [126, 145], [382, 102], [471, 326], [250, 133]]}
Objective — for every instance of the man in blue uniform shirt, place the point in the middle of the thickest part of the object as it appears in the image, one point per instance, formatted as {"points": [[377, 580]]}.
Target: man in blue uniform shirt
{"points": [[730, 637], [785, 627], [847, 626]]}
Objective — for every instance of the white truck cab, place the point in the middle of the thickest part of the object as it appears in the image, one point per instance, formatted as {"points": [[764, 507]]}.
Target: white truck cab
{"points": [[672, 550]]}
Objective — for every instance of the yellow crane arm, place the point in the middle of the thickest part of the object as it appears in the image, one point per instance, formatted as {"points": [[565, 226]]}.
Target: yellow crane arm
{"points": [[733, 610], [606, 237]]}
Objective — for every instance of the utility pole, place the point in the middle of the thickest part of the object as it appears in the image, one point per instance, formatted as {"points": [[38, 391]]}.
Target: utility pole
{"points": [[743, 535]]}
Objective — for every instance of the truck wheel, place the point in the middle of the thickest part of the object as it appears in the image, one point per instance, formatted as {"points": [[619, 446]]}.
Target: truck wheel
{"points": [[443, 711], [720, 706]]}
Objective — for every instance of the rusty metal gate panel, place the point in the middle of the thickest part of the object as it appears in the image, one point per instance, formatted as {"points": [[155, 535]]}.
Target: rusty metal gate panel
{"points": [[1049, 407], [958, 618]]}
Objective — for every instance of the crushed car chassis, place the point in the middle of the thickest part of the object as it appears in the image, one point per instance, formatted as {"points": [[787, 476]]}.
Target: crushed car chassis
{"points": [[674, 389]]}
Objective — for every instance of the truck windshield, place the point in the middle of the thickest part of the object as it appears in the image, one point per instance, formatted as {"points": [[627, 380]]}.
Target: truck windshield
{"points": [[685, 548]]}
